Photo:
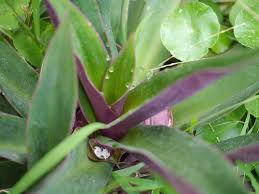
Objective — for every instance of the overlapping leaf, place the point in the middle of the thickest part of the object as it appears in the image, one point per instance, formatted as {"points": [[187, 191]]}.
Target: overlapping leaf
{"points": [[224, 94], [184, 157], [17, 79], [54, 102]]}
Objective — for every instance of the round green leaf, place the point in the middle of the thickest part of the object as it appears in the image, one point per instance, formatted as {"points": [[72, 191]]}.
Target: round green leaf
{"points": [[253, 107], [247, 27], [190, 31]]}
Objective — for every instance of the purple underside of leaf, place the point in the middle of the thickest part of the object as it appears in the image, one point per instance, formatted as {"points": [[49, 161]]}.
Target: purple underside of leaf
{"points": [[181, 186], [101, 109], [53, 16], [80, 119], [246, 154], [118, 106], [173, 94], [162, 118]]}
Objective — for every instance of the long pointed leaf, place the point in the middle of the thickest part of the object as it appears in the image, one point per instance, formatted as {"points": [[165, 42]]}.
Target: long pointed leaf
{"points": [[173, 85], [244, 148], [88, 45], [164, 97], [53, 157], [77, 174], [182, 156], [12, 138], [17, 79], [54, 102]]}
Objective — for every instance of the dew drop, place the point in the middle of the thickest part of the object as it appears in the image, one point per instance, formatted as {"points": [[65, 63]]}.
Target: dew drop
{"points": [[132, 70], [108, 58], [127, 85], [107, 76], [111, 70]]}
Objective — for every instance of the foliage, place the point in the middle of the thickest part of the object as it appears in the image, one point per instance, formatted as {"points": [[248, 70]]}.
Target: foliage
{"points": [[81, 82]]}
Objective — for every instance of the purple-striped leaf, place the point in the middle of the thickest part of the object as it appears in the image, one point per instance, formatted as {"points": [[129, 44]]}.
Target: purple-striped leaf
{"points": [[244, 148], [168, 96], [183, 161], [164, 118]]}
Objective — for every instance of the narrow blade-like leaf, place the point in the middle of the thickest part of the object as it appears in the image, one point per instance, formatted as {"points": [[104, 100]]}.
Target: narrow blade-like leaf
{"points": [[185, 157], [77, 174], [12, 138], [160, 97], [53, 157], [244, 148], [54, 102], [87, 43], [119, 76], [17, 79]]}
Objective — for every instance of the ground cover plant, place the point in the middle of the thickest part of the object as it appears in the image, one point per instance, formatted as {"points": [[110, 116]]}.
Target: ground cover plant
{"points": [[129, 96]]}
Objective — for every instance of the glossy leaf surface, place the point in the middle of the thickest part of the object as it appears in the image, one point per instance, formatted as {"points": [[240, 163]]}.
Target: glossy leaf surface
{"points": [[54, 102], [189, 31], [119, 77]]}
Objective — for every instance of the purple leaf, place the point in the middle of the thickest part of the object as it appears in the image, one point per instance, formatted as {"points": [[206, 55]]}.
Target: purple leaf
{"points": [[52, 13], [247, 154], [102, 110], [173, 94]]}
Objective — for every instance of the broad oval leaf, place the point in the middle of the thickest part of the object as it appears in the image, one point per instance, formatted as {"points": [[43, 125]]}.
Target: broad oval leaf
{"points": [[247, 27], [54, 102], [17, 79], [253, 107], [222, 95], [119, 77], [12, 138], [148, 57], [53, 157], [190, 31], [87, 43], [77, 174], [183, 156]]}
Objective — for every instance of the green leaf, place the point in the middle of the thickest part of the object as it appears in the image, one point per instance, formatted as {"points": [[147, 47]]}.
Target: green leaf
{"points": [[119, 77], [238, 7], [88, 46], [10, 173], [224, 42], [53, 105], [5, 107], [253, 107], [149, 49], [8, 8], [91, 10], [36, 16], [186, 157], [190, 31], [238, 142], [28, 48], [12, 138], [223, 95], [77, 174], [47, 31], [53, 157], [247, 27], [17, 79], [85, 105], [145, 91], [215, 8]]}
